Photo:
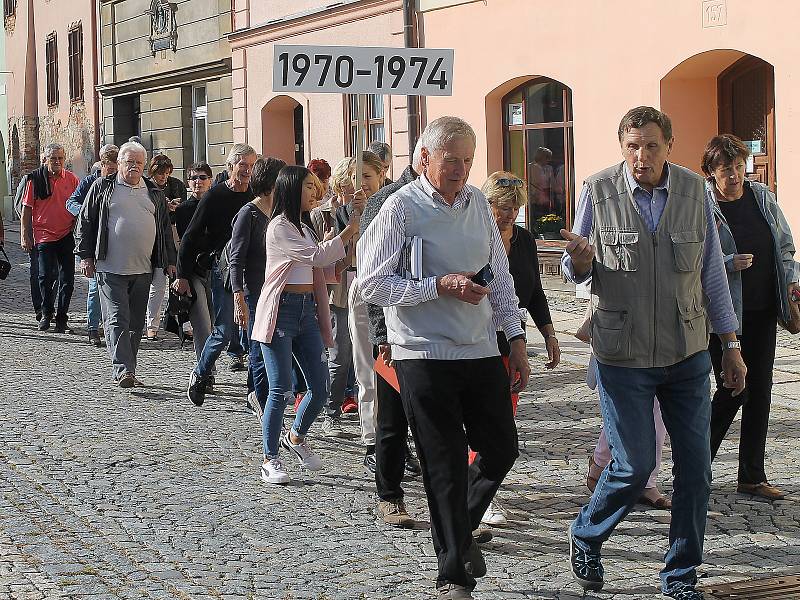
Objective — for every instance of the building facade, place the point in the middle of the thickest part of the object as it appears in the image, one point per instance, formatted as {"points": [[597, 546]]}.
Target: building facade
{"points": [[51, 61], [300, 127], [546, 95], [166, 77]]}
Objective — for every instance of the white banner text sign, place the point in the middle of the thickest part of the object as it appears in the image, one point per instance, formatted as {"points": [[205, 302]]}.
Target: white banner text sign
{"points": [[363, 70]]}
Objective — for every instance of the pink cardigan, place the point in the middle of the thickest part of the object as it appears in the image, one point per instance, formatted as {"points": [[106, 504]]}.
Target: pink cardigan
{"points": [[285, 246]]}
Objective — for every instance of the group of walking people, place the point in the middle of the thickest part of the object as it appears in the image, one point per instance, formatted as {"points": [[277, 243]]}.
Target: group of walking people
{"points": [[417, 293]]}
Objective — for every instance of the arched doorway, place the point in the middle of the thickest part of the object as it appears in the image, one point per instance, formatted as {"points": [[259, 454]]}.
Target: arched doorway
{"points": [[538, 148], [282, 130], [722, 91]]}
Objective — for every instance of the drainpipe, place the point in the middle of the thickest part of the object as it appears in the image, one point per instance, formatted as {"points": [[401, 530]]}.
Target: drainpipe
{"points": [[97, 53], [412, 102]]}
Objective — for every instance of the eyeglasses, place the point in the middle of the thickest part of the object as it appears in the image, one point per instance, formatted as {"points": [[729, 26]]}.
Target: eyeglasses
{"points": [[506, 182], [200, 177]]}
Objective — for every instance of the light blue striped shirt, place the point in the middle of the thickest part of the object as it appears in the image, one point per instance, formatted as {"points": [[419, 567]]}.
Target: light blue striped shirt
{"points": [[651, 206]]}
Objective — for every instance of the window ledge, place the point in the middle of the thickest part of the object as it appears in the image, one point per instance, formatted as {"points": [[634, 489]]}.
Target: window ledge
{"points": [[428, 5]]}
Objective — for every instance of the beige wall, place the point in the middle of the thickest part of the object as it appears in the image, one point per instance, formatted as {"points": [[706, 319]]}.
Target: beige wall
{"points": [[372, 24], [614, 55]]}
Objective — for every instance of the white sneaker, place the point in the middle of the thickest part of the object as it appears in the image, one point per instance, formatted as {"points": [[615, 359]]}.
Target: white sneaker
{"points": [[494, 515], [303, 453], [332, 428], [273, 472]]}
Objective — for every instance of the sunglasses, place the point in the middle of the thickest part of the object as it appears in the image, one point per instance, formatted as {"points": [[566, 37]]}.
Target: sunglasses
{"points": [[506, 182], [200, 177]]}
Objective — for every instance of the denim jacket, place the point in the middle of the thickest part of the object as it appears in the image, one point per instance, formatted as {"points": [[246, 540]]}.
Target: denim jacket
{"points": [[91, 231], [786, 268]]}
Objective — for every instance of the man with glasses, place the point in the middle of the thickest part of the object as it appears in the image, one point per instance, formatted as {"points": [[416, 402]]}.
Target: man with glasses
{"points": [[123, 234], [108, 166], [47, 228]]}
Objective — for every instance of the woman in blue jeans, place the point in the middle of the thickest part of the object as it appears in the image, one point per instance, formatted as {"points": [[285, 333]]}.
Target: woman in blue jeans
{"points": [[248, 260], [293, 315]]}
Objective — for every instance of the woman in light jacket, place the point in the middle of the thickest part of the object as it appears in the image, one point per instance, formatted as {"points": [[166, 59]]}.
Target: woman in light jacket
{"points": [[293, 315], [758, 249]]}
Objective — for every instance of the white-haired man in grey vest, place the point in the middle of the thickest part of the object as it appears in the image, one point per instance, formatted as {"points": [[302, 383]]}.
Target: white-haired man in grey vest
{"points": [[646, 236], [442, 328]]}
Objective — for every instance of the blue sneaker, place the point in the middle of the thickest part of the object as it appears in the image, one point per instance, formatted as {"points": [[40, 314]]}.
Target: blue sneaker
{"points": [[685, 592], [586, 566]]}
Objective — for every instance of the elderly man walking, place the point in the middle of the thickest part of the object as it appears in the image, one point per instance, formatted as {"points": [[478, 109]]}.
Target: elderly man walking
{"points": [[646, 236], [124, 233], [441, 326], [47, 228], [210, 229]]}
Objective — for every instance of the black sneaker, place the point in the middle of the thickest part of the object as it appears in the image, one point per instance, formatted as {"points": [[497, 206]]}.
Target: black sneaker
{"points": [[61, 327], [237, 364], [94, 338], [685, 592], [586, 567], [210, 383], [370, 462], [44, 323], [474, 564], [412, 464], [197, 389]]}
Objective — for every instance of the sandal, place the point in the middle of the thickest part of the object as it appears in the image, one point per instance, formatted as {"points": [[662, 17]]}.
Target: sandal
{"points": [[591, 481], [661, 502]]}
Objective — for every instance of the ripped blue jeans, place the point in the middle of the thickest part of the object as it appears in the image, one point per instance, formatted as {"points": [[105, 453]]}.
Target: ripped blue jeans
{"points": [[296, 326]]}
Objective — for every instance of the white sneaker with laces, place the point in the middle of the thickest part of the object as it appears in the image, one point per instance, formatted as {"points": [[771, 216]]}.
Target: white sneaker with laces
{"points": [[332, 428], [272, 471], [494, 515], [303, 453]]}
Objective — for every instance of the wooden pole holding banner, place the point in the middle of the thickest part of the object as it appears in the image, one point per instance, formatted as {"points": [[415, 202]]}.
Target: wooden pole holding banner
{"points": [[361, 127]]}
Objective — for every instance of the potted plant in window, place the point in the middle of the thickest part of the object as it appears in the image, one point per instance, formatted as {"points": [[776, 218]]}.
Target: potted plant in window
{"points": [[549, 226]]}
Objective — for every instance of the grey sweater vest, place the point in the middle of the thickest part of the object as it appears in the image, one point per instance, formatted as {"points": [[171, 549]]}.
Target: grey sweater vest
{"points": [[452, 241], [646, 289]]}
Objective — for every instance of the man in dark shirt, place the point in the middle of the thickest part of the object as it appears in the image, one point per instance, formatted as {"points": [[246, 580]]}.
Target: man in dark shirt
{"points": [[209, 231]]}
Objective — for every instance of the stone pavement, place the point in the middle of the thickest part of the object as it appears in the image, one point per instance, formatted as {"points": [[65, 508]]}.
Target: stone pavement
{"points": [[106, 493]]}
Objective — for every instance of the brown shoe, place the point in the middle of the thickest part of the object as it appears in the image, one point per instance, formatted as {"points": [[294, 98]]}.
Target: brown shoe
{"points": [[591, 480], [394, 513], [126, 381], [762, 490]]}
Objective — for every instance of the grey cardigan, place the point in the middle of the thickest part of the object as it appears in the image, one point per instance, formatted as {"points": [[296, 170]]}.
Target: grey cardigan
{"points": [[786, 268], [91, 229]]}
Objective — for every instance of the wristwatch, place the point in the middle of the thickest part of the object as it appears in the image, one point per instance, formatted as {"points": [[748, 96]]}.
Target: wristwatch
{"points": [[731, 345]]}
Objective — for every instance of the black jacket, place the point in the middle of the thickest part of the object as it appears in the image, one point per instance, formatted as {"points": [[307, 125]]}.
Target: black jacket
{"points": [[91, 231]]}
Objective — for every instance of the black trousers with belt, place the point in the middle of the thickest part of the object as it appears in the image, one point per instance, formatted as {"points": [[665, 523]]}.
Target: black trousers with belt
{"points": [[452, 405], [758, 351]]}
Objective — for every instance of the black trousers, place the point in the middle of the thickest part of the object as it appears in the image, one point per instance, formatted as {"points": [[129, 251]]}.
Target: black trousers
{"points": [[758, 351], [56, 263], [391, 433], [450, 405]]}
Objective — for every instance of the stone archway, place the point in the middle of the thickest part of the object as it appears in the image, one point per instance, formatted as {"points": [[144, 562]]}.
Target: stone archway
{"points": [[698, 95], [282, 130]]}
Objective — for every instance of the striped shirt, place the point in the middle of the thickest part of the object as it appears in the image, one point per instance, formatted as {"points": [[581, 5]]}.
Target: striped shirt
{"points": [[379, 254], [650, 207]]}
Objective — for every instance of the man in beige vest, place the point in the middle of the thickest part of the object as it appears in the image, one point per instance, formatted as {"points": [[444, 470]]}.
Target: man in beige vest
{"points": [[645, 236]]}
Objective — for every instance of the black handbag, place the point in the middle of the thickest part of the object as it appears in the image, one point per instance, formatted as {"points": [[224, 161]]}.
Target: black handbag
{"points": [[5, 264], [177, 313]]}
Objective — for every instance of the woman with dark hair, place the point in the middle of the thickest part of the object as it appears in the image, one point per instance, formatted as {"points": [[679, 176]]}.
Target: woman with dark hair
{"points": [[160, 173], [762, 275], [293, 315], [248, 261]]}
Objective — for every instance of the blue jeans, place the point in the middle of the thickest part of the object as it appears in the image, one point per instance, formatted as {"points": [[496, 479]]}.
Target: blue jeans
{"points": [[93, 312], [626, 401], [223, 326], [296, 328], [256, 371]]}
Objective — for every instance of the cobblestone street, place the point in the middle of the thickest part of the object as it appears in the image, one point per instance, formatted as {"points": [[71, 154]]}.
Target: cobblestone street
{"points": [[108, 493]]}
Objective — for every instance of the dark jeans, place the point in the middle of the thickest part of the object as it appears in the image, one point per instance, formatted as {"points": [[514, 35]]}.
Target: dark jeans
{"points": [[56, 262], [626, 401], [256, 371], [36, 292], [391, 433], [758, 352], [451, 404]]}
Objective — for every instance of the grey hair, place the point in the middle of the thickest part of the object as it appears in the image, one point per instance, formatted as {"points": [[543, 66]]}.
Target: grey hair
{"points": [[106, 148], [382, 149], [416, 158], [132, 148], [52, 147], [239, 151], [443, 130]]}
